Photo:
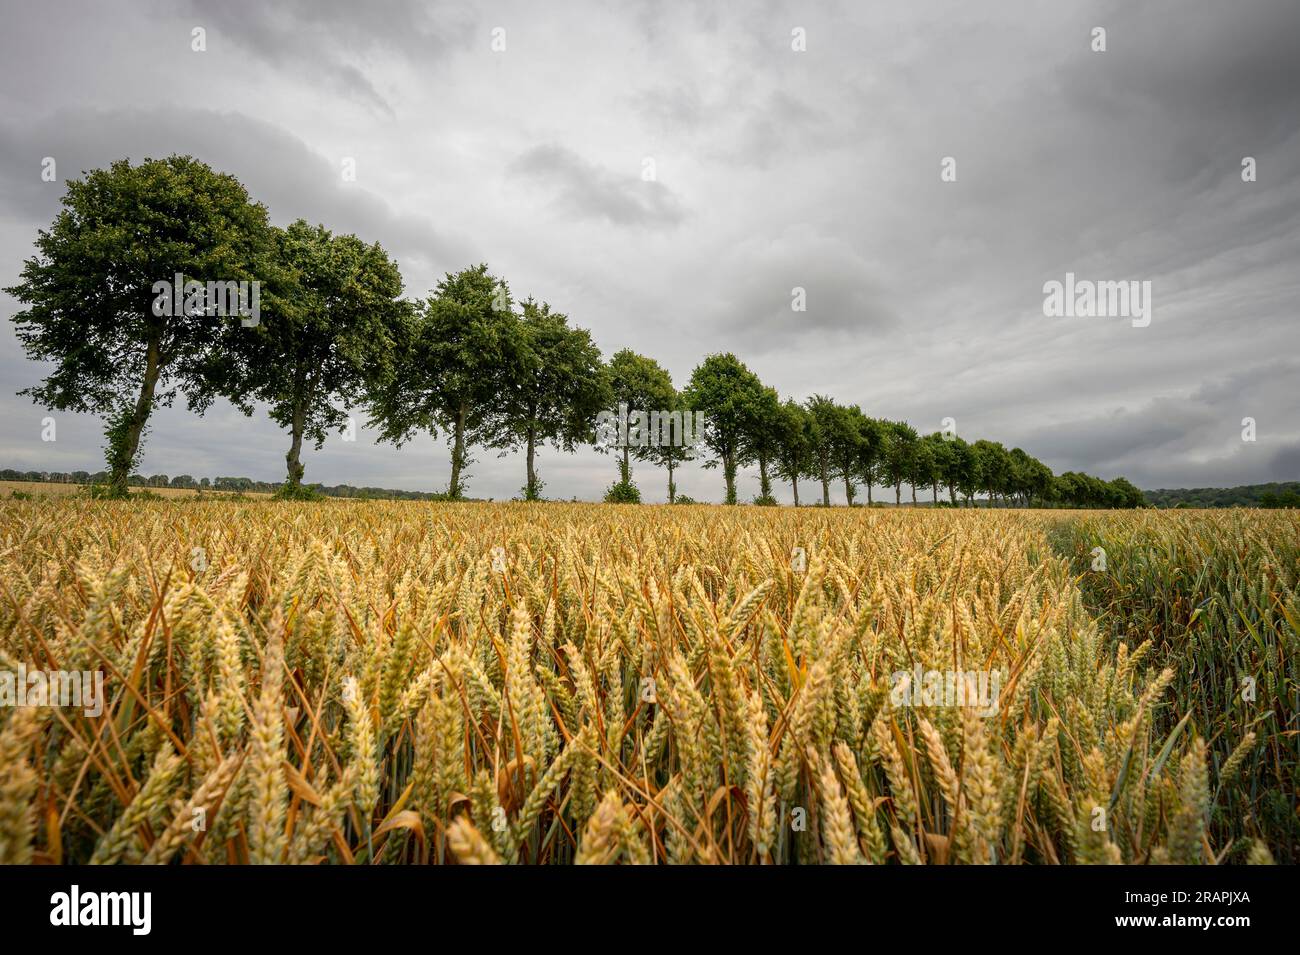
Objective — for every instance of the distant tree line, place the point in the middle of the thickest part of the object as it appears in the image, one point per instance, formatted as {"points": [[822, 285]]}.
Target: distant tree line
{"points": [[186, 482], [333, 333], [1276, 495]]}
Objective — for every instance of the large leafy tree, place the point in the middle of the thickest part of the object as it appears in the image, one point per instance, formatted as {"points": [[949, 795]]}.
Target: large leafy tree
{"points": [[452, 360], [1033, 478], [794, 456], [957, 468], [328, 338], [823, 418], [1126, 493], [763, 435], [557, 388], [932, 461], [92, 308], [642, 384], [873, 447], [994, 468], [899, 460], [924, 466], [1072, 488], [730, 396], [847, 441], [672, 455]]}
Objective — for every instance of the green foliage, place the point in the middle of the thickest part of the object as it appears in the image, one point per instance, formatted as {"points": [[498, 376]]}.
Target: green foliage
{"points": [[823, 415], [671, 454], [1285, 494], [290, 491], [1083, 490], [334, 332], [90, 297], [452, 357], [107, 492], [623, 492], [557, 387], [849, 442], [733, 401], [325, 340], [874, 442], [763, 436], [794, 455], [640, 384], [899, 458]]}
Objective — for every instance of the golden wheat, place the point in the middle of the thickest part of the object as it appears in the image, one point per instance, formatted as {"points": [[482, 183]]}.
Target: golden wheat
{"points": [[370, 682]]}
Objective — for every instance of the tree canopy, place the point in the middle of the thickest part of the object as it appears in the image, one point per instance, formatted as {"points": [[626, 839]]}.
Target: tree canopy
{"points": [[328, 339], [94, 293]]}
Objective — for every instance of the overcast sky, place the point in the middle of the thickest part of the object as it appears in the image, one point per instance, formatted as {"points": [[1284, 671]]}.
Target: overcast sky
{"points": [[774, 168]]}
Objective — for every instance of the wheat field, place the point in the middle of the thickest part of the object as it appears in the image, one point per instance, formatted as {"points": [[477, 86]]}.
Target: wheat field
{"points": [[372, 683]]}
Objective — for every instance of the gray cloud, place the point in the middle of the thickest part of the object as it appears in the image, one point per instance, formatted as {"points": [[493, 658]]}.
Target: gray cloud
{"points": [[586, 190], [333, 42], [775, 169]]}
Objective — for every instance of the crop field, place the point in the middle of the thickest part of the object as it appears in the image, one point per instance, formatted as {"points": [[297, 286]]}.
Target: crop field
{"points": [[406, 683]]}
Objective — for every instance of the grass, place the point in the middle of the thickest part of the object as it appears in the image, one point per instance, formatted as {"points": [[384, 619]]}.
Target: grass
{"points": [[569, 683], [1216, 594]]}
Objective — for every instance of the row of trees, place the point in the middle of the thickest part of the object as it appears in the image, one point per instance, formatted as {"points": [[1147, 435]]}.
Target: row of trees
{"points": [[102, 477], [333, 333], [829, 443]]}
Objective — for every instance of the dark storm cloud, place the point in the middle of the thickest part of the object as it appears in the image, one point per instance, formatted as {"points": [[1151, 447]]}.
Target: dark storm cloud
{"points": [[1217, 73]]}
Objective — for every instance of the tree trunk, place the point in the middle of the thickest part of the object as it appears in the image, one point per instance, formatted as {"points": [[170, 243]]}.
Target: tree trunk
{"points": [[294, 458], [848, 489], [794, 483], [898, 494], [530, 490], [952, 495], [869, 502], [914, 494], [729, 475], [672, 488], [764, 485], [124, 435], [935, 488], [626, 470], [457, 452], [826, 488]]}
